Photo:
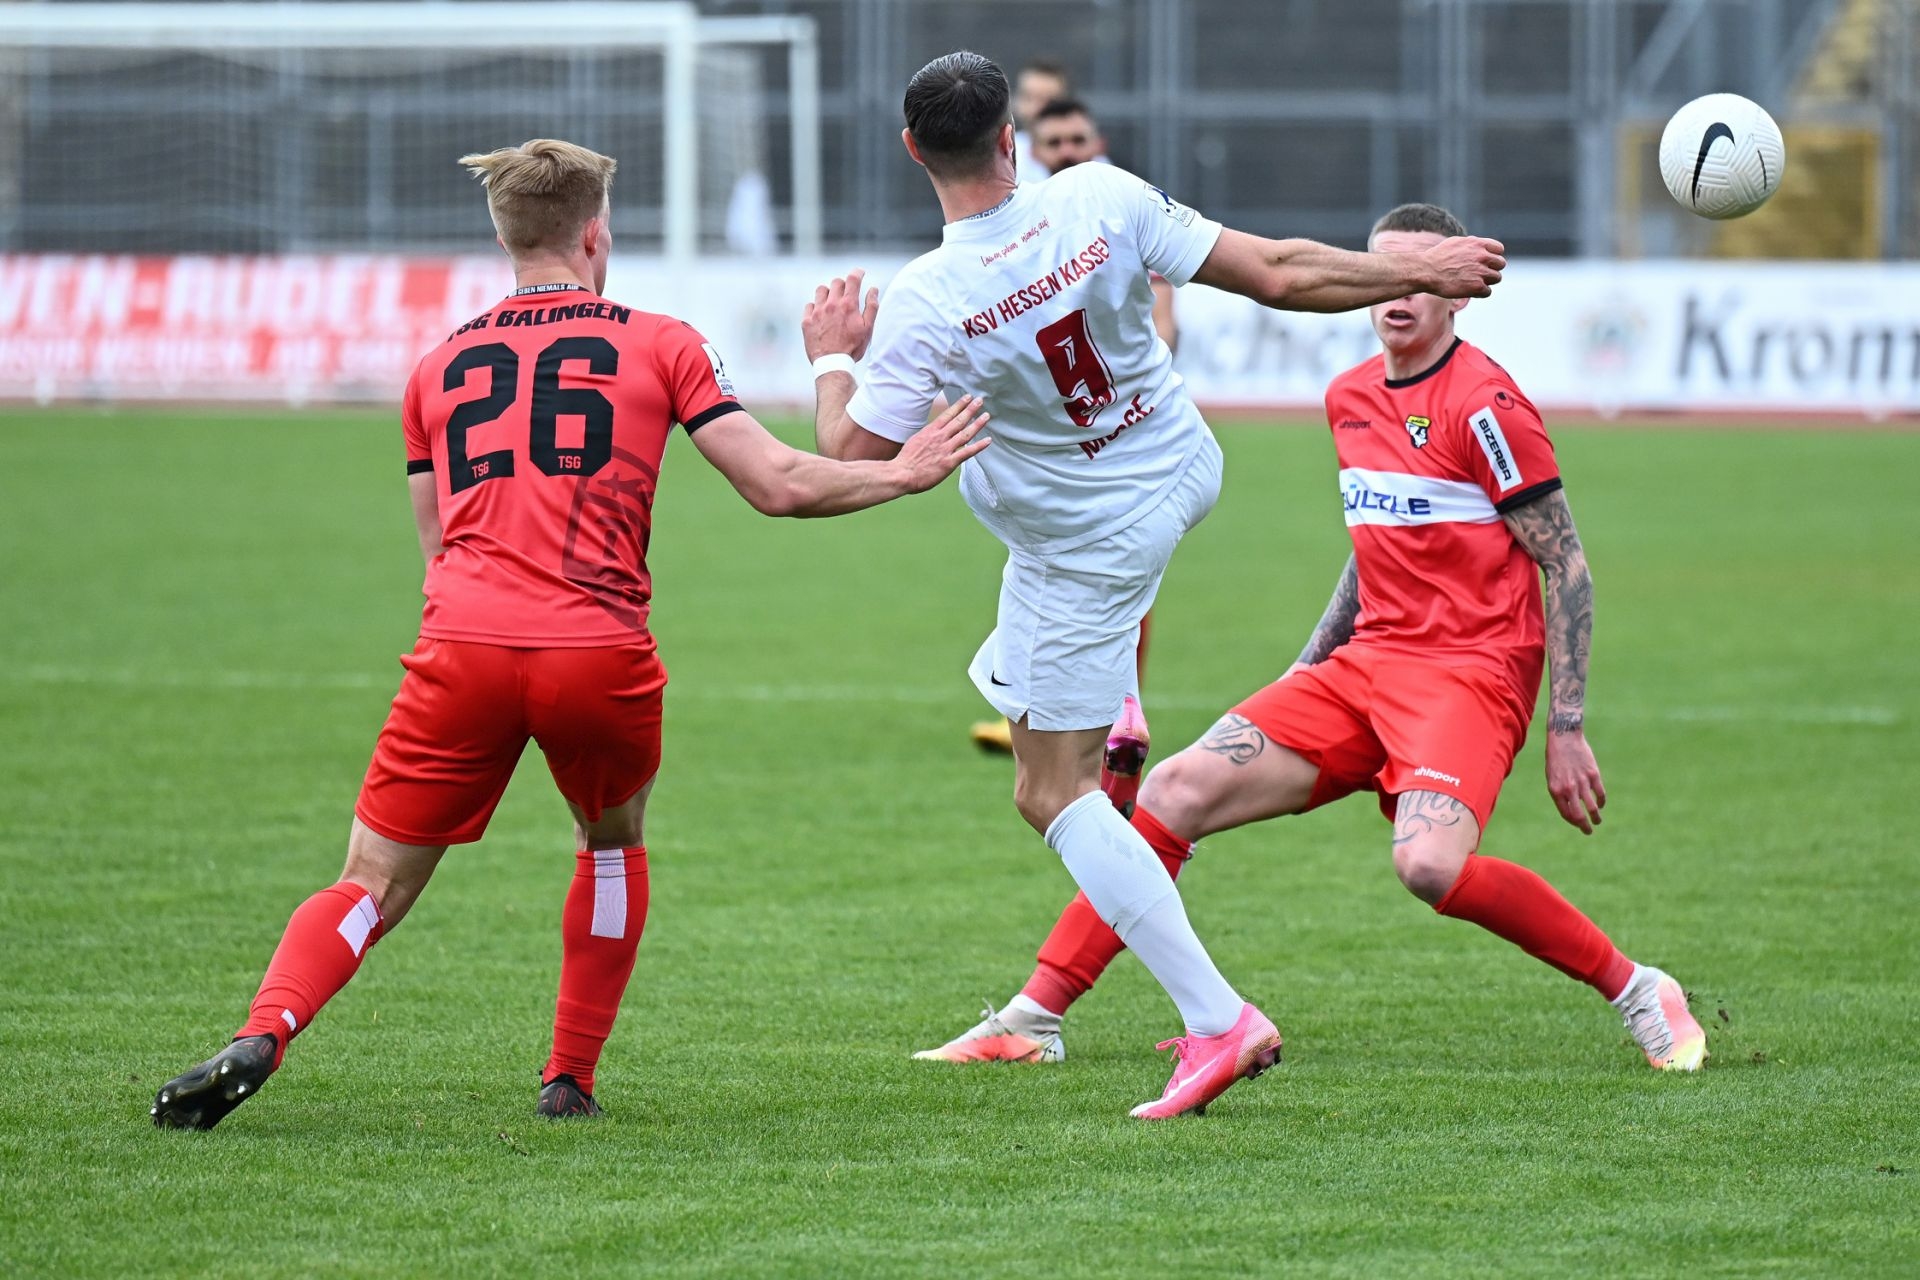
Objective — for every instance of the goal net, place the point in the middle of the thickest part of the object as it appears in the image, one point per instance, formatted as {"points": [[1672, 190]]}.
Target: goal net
{"points": [[281, 128]]}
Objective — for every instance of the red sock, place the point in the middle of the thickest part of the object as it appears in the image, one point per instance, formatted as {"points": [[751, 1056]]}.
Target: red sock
{"points": [[1081, 945], [1511, 901], [321, 950], [600, 936]]}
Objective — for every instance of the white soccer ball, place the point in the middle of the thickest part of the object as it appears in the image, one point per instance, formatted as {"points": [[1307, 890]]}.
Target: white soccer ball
{"points": [[1722, 156]]}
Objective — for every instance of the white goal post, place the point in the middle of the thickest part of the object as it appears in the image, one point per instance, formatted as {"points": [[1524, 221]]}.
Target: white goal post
{"points": [[552, 41]]}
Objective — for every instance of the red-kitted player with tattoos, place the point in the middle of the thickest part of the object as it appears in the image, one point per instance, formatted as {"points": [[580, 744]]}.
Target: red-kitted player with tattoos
{"points": [[1419, 682]]}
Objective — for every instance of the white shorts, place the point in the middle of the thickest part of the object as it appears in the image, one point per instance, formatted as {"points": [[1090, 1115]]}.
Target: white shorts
{"points": [[1062, 651]]}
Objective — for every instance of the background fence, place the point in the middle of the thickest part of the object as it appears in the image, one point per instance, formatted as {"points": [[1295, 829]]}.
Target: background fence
{"points": [[1535, 119], [261, 200]]}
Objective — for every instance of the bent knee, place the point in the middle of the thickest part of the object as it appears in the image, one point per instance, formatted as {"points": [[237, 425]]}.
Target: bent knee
{"points": [[1039, 804], [1179, 793], [1428, 867]]}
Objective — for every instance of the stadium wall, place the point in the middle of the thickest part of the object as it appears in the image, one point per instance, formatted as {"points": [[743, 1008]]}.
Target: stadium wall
{"points": [[1591, 337]]}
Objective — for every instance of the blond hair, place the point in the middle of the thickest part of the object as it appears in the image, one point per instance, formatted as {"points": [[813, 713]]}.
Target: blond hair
{"points": [[542, 192]]}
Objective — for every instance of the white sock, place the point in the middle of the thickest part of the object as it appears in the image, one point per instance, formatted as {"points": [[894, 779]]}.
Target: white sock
{"points": [[1029, 1012], [1134, 895]]}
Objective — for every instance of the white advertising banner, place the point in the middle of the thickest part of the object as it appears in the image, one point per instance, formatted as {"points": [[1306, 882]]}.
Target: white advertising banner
{"points": [[1827, 339], [1601, 337], [1608, 337]]}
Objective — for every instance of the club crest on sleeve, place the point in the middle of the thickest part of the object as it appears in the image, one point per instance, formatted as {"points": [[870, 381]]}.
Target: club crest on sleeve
{"points": [[1171, 207], [721, 379], [1418, 427]]}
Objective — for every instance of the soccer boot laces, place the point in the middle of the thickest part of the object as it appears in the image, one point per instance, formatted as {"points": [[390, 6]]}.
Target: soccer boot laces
{"points": [[1654, 1007], [1207, 1066]]}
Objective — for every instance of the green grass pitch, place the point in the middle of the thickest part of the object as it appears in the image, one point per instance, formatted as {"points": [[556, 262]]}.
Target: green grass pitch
{"points": [[201, 614]]}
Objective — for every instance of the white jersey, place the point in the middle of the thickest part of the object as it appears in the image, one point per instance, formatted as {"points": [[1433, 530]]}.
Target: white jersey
{"points": [[1044, 306]]}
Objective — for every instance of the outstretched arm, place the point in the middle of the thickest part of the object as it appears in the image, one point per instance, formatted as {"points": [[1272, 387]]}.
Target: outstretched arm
{"points": [[839, 321], [835, 434], [1303, 275], [1545, 528], [779, 480], [1336, 624]]}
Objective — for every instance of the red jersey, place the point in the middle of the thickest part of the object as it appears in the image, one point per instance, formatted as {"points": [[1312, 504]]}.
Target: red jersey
{"points": [[1427, 466], [543, 422]]}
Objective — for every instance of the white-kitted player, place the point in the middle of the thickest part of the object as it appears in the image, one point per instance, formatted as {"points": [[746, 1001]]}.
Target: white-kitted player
{"points": [[1038, 299]]}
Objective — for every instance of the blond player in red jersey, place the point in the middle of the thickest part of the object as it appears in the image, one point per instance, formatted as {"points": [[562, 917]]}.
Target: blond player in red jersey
{"points": [[534, 438], [1418, 684]]}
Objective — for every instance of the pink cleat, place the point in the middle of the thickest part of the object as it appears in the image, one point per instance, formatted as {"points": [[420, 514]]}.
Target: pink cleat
{"points": [[1206, 1066], [1126, 757]]}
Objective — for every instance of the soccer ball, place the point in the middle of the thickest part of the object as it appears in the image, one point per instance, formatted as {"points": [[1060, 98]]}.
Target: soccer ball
{"points": [[1722, 156]]}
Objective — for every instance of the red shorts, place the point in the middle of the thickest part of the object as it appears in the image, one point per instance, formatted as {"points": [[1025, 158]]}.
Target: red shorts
{"points": [[1396, 723], [464, 714]]}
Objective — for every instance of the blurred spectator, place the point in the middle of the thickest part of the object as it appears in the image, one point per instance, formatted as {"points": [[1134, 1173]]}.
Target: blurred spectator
{"points": [[1038, 82], [1063, 134]]}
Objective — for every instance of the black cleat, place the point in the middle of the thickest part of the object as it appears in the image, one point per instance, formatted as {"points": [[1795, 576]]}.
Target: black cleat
{"points": [[562, 1096], [201, 1098]]}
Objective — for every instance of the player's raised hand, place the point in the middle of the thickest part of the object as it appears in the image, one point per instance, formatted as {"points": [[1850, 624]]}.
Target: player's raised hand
{"points": [[1465, 266], [1573, 779], [943, 444], [836, 321]]}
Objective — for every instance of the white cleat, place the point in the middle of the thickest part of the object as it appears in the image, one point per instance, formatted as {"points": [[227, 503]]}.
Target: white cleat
{"points": [[1006, 1036], [1655, 1009]]}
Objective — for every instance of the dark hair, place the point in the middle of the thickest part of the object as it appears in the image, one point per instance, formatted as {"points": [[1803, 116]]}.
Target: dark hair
{"points": [[1049, 67], [1060, 108], [955, 108], [1418, 217]]}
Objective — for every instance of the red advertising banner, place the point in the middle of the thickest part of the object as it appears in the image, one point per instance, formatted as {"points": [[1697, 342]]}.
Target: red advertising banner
{"points": [[286, 328]]}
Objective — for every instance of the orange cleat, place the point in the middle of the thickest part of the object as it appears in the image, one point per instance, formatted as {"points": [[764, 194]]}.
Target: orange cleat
{"points": [[992, 1040], [1655, 1009], [993, 736], [1126, 757], [1207, 1066]]}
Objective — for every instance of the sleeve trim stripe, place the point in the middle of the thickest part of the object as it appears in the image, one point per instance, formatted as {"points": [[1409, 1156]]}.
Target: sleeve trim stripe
{"points": [[705, 416], [1527, 495], [417, 465]]}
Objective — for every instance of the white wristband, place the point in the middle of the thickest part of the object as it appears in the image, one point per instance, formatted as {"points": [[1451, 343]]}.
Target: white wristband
{"points": [[833, 362]]}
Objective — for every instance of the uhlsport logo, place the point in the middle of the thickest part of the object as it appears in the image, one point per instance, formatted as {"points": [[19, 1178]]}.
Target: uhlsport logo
{"points": [[1424, 772], [1418, 427]]}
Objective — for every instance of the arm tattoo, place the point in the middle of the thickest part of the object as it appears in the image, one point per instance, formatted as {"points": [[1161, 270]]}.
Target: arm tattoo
{"points": [[1420, 812], [1545, 528], [1235, 738], [1336, 624]]}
